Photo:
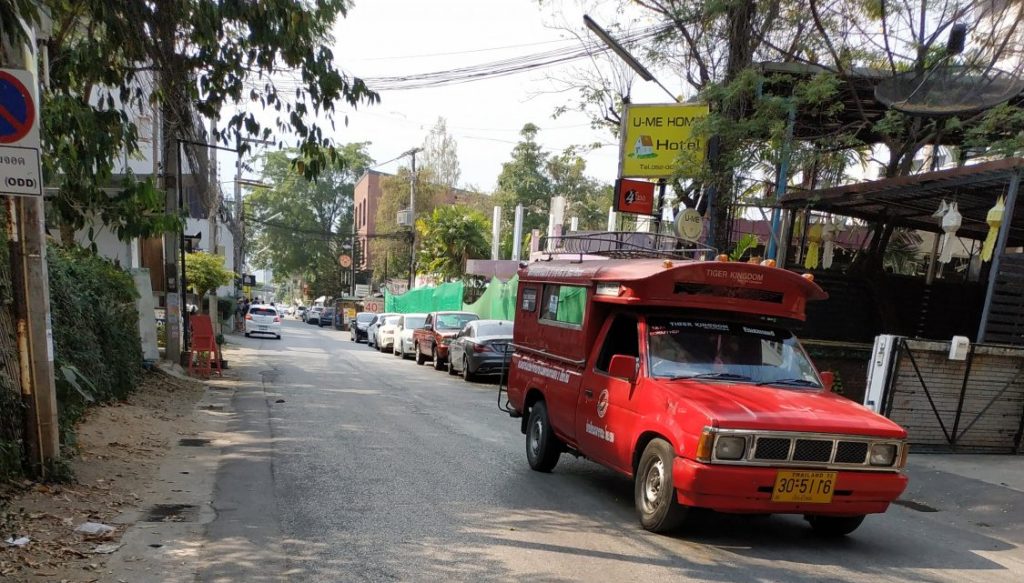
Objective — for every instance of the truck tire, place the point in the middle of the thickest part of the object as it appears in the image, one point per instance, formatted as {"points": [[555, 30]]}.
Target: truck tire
{"points": [[542, 447], [438, 365], [420, 359], [834, 526], [653, 491]]}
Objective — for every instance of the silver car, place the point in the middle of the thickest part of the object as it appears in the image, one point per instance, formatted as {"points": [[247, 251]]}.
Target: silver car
{"points": [[483, 347]]}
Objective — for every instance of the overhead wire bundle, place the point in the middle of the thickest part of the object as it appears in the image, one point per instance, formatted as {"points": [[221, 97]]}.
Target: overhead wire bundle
{"points": [[509, 66]]}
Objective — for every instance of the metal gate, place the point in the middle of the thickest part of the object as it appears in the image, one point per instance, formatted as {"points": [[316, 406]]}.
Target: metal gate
{"points": [[971, 405]]}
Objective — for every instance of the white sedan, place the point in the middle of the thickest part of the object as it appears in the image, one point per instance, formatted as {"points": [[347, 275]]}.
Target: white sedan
{"points": [[261, 319], [388, 333], [403, 338]]}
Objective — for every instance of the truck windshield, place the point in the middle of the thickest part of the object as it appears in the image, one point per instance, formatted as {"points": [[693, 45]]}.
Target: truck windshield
{"points": [[728, 351]]}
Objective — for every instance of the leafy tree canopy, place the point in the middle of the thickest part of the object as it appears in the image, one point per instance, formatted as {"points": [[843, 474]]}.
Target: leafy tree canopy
{"points": [[449, 237], [205, 272], [299, 226]]}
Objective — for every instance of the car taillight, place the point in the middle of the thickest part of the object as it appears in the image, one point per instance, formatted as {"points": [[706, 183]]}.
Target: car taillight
{"points": [[277, 319], [248, 316], [482, 348]]}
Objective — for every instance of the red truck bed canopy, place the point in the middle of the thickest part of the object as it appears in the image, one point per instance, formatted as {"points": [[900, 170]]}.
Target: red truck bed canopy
{"points": [[712, 285]]}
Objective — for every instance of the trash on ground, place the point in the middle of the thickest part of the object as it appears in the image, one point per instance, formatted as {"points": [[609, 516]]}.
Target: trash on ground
{"points": [[18, 542], [107, 548], [94, 529]]}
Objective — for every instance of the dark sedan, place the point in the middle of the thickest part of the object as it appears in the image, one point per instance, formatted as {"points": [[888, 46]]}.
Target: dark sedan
{"points": [[483, 347], [362, 322]]}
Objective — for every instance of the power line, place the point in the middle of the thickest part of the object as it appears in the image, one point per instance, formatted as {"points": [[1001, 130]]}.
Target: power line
{"points": [[505, 67], [470, 51]]}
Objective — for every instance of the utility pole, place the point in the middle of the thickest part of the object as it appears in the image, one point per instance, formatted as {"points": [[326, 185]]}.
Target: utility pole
{"points": [[412, 218], [31, 288]]}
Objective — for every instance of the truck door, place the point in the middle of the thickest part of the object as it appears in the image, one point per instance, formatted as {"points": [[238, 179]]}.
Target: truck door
{"points": [[605, 421]]}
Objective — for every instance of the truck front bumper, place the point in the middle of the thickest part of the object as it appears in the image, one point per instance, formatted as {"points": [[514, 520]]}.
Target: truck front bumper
{"points": [[748, 490]]}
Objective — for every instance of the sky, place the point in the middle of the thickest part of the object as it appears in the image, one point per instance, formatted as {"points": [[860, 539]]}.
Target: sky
{"points": [[400, 37]]}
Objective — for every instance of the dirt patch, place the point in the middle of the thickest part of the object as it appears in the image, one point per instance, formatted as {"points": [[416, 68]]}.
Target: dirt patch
{"points": [[120, 448]]}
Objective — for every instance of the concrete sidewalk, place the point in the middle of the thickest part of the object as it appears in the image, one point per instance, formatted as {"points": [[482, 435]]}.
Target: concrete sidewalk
{"points": [[1006, 471], [983, 494]]}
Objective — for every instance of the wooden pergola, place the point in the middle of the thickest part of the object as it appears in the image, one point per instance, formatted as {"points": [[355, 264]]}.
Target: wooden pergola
{"points": [[910, 201]]}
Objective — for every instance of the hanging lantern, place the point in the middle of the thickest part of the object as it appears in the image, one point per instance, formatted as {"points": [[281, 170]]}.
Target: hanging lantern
{"points": [[828, 237], [950, 225], [994, 220], [813, 243]]}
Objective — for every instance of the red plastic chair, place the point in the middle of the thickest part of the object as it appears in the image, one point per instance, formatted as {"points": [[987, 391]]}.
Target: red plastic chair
{"points": [[204, 354]]}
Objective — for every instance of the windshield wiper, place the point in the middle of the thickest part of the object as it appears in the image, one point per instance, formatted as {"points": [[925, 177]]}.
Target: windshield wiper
{"points": [[793, 382], [724, 376]]}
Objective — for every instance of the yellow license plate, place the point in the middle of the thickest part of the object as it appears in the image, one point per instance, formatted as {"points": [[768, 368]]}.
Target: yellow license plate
{"points": [[811, 487]]}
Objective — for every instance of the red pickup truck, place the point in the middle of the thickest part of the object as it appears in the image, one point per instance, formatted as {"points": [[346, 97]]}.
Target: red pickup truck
{"points": [[685, 376], [440, 328]]}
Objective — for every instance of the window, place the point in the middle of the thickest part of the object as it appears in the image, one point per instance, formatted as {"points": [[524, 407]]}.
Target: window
{"points": [[412, 322], [730, 351], [622, 338], [453, 321], [494, 329], [263, 311], [564, 303], [529, 299], [467, 332]]}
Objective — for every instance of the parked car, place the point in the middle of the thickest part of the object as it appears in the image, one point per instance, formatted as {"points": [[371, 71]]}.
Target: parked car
{"points": [[313, 315], [371, 330], [403, 338], [300, 312], [440, 328], [363, 320], [387, 332], [262, 319], [326, 317], [703, 397], [483, 347]]}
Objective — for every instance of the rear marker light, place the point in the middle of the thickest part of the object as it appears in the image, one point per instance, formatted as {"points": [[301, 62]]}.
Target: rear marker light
{"points": [[248, 316], [808, 276], [768, 263], [723, 258]]}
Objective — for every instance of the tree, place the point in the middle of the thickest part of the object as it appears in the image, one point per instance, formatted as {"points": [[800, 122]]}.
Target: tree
{"points": [[586, 199], [449, 237], [186, 60], [523, 181], [389, 251], [441, 155], [300, 226], [205, 272]]}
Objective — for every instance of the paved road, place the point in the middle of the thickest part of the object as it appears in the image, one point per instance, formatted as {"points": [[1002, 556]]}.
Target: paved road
{"points": [[353, 465]]}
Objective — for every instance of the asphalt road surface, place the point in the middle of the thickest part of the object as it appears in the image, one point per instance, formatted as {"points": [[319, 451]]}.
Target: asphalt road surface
{"points": [[354, 465]]}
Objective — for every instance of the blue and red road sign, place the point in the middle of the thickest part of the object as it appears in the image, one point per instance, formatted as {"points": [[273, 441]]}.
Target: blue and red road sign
{"points": [[17, 111]]}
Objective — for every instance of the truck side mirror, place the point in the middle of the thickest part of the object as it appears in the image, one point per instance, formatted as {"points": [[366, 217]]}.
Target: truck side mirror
{"points": [[624, 367], [828, 378]]}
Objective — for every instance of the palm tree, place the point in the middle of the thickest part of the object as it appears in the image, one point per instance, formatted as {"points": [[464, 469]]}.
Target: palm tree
{"points": [[450, 237]]}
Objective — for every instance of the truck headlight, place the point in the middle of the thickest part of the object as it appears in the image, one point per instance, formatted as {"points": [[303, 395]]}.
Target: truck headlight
{"points": [[882, 454], [730, 447]]}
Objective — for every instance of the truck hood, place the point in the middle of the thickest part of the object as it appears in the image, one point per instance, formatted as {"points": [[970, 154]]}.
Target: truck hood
{"points": [[743, 406]]}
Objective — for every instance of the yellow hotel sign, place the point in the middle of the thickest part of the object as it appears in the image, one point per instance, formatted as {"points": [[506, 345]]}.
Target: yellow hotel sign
{"points": [[655, 138]]}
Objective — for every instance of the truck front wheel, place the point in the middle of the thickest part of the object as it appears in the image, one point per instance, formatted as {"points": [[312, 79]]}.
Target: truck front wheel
{"points": [[653, 490], [542, 447], [834, 526]]}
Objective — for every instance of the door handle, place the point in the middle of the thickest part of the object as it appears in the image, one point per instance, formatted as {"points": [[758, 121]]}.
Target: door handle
{"points": [[589, 393]]}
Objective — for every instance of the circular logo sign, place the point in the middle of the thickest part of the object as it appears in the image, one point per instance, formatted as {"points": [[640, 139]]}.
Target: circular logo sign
{"points": [[602, 403], [689, 224], [344, 261]]}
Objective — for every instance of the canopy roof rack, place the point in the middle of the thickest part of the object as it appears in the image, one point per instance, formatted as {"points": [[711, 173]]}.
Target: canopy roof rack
{"points": [[625, 245]]}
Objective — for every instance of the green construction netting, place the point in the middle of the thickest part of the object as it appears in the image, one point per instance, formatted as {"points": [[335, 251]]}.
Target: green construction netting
{"points": [[498, 301], [572, 302], [447, 296]]}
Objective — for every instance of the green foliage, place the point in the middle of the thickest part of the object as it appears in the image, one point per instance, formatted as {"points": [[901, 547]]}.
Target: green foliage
{"points": [[450, 237], [226, 308], [300, 226], [95, 333], [205, 272], [186, 59], [747, 243], [11, 406], [393, 247]]}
